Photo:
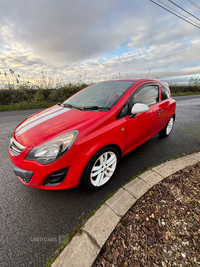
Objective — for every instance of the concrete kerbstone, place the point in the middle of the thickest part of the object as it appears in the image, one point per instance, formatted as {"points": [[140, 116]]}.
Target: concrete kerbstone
{"points": [[185, 161], [137, 187], [121, 202], [195, 156], [80, 251], [151, 177], [101, 224], [181, 162], [166, 169]]}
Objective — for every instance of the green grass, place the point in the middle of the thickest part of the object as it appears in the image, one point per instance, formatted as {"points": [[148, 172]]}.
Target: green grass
{"points": [[27, 105], [185, 93], [62, 246]]}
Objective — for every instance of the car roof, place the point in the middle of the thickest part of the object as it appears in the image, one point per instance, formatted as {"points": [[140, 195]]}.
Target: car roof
{"points": [[141, 80]]}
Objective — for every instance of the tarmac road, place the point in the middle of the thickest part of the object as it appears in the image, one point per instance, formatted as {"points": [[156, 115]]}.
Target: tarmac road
{"points": [[34, 222]]}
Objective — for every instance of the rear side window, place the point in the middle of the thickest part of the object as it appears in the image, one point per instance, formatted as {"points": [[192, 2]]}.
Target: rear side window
{"points": [[148, 94], [165, 93]]}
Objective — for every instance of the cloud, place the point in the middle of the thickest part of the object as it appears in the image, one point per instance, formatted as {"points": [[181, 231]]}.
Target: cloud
{"points": [[92, 37], [71, 31]]}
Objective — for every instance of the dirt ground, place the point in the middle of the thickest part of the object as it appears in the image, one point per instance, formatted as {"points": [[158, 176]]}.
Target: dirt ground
{"points": [[162, 228]]}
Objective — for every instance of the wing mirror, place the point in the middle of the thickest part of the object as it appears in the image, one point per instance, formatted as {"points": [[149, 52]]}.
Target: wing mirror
{"points": [[139, 108]]}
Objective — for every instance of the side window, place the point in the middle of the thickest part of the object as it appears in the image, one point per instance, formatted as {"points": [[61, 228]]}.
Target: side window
{"points": [[148, 94], [165, 93], [123, 112]]}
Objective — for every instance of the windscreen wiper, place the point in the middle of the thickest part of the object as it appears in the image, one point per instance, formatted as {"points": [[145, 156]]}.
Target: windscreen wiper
{"points": [[71, 106], [95, 108]]}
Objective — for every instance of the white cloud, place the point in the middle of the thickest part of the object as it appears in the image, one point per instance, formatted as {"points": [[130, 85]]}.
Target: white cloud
{"points": [[96, 38]]}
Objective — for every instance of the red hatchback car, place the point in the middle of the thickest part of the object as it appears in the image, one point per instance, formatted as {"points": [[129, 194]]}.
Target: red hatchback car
{"points": [[85, 137]]}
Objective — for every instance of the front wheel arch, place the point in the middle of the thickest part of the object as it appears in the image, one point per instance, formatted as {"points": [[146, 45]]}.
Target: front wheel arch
{"points": [[86, 176]]}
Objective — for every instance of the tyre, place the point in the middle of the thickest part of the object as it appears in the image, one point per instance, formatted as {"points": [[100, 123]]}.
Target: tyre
{"points": [[168, 128], [101, 168]]}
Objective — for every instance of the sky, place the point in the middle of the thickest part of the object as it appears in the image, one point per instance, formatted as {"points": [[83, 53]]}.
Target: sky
{"points": [[91, 40]]}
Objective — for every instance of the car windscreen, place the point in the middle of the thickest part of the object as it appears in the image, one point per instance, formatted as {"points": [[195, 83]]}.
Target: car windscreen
{"points": [[103, 95]]}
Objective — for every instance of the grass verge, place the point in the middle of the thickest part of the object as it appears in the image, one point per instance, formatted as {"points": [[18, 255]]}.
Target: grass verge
{"points": [[27, 105], [185, 93]]}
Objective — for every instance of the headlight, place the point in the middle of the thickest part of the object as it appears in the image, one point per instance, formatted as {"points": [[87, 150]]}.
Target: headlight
{"points": [[53, 149]]}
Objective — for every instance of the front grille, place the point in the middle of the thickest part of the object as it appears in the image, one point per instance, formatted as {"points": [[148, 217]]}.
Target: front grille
{"points": [[15, 147]]}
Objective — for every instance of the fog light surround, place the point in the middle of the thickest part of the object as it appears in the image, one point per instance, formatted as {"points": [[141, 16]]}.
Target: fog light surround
{"points": [[56, 178]]}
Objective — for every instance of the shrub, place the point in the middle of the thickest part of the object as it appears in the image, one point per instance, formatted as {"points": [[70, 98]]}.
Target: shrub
{"points": [[13, 96], [5, 97], [184, 88], [28, 95]]}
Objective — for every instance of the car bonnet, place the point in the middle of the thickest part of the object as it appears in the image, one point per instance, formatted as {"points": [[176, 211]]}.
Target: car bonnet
{"points": [[52, 122]]}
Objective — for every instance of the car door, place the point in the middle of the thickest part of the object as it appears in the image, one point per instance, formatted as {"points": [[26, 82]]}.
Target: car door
{"points": [[141, 127], [165, 108]]}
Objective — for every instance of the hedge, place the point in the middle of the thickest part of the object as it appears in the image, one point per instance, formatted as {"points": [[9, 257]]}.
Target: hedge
{"points": [[14, 96]]}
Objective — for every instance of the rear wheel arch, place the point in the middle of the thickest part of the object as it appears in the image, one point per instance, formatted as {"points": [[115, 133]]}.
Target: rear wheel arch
{"points": [[168, 128], [174, 115]]}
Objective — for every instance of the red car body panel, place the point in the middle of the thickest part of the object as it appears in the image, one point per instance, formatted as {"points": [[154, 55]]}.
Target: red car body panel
{"points": [[60, 120], [96, 130]]}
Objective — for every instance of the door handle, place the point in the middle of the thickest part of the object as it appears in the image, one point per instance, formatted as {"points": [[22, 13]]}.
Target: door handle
{"points": [[159, 112]]}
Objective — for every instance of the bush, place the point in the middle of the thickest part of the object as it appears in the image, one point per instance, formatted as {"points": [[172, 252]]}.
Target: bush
{"points": [[13, 96], [64, 92], [184, 88], [5, 97], [192, 86], [29, 95]]}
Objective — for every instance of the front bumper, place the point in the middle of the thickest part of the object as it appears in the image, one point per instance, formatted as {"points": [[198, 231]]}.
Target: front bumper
{"points": [[40, 176], [24, 175]]}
